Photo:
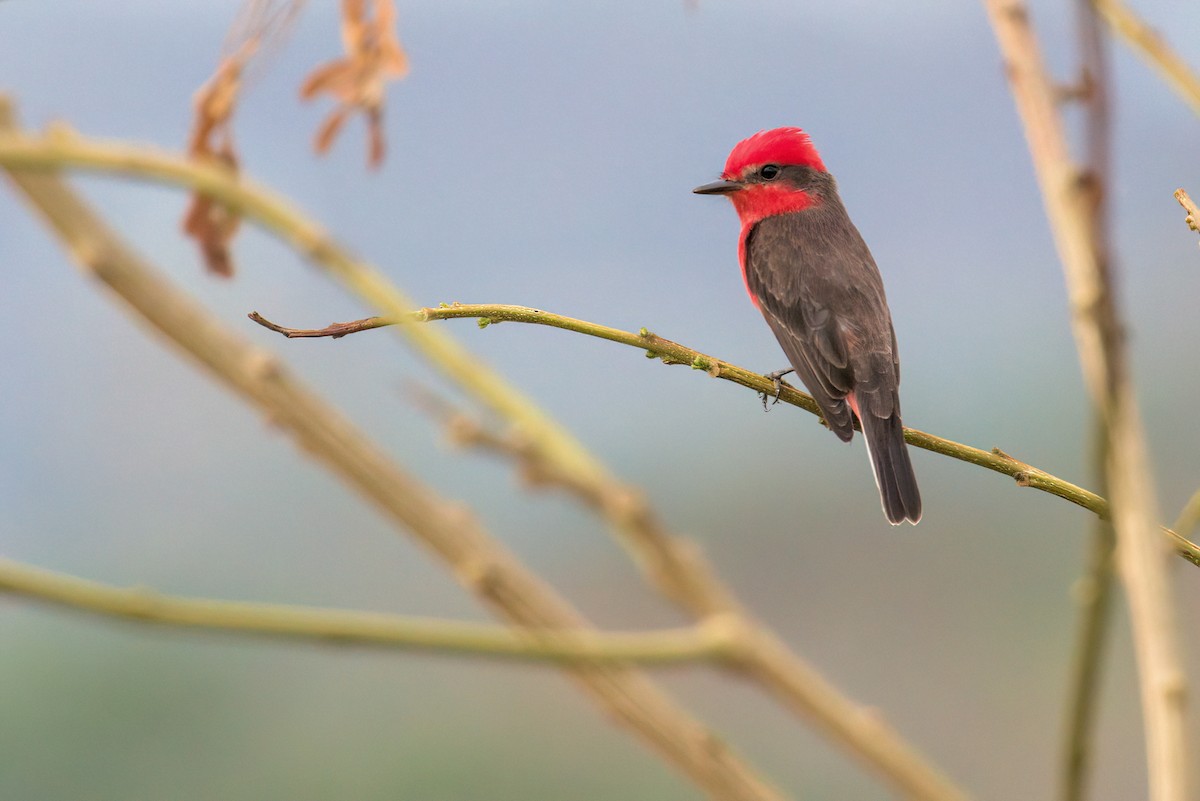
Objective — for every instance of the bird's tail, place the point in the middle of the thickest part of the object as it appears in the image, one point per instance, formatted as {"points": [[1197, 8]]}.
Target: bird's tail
{"points": [[893, 471]]}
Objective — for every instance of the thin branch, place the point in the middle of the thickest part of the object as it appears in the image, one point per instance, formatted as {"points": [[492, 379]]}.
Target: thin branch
{"points": [[1094, 590], [676, 566], [701, 643], [1152, 48], [479, 562], [1189, 515], [467, 432], [1141, 553], [1189, 205], [1093, 594], [670, 352], [332, 331]]}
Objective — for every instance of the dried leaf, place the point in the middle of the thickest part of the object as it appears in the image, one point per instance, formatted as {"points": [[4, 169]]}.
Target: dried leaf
{"points": [[211, 139], [330, 128], [213, 225], [260, 24], [357, 82]]}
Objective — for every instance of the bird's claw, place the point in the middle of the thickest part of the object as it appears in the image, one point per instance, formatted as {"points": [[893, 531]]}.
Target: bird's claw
{"points": [[776, 380]]}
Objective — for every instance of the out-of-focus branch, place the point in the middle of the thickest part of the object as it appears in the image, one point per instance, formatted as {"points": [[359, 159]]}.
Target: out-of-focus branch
{"points": [[1098, 332], [762, 656], [1093, 594], [1094, 590], [702, 643], [676, 566], [1153, 48], [670, 352], [1189, 515], [480, 563], [465, 431], [1189, 205]]}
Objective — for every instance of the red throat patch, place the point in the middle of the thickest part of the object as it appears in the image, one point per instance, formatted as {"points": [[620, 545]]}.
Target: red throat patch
{"points": [[757, 201]]}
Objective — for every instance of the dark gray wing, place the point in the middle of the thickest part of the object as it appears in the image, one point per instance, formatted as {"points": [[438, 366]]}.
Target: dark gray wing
{"points": [[820, 291]]}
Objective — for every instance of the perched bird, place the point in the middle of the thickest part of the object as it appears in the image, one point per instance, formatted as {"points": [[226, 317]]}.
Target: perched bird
{"points": [[809, 272]]}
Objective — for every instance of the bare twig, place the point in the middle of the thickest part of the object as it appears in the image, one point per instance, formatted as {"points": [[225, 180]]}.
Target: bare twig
{"points": [[1094, 590], [673, 564], [467, 432], [1153, 48], [1189, 205], [1189, 515], [1098, 333], [1093, 594], [332, 331], [479, 562], [711, 643]]}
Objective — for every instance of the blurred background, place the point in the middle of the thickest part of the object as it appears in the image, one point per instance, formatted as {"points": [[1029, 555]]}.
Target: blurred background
{"points": [[543, 153]]}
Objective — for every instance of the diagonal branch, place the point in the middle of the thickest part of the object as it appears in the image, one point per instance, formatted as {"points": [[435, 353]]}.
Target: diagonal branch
{"points": [[674, 565], [1141, 552], [1152, 48], [479, 562], [702, 643]]}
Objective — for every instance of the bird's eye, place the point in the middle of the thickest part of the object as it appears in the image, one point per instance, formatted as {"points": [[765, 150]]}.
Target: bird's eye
{"points": [[769, 172]]}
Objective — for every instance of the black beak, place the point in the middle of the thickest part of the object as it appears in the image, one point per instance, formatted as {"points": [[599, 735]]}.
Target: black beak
{"points": [[718, 188]]}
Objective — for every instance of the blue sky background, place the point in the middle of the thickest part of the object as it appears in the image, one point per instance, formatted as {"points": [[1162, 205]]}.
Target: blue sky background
{"points": [[543, 154]]}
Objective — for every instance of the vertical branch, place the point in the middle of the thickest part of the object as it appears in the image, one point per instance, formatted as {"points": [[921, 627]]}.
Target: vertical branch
{"points": [[1094, 590], [1141, 555], [1093, 593]]}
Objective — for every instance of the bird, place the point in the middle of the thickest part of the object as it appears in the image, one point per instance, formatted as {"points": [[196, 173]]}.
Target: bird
{"points": [[809, 271]]}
